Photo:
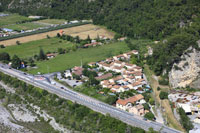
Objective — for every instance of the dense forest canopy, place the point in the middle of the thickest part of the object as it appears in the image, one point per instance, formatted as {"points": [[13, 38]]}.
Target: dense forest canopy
{"points": [[174, 20]]}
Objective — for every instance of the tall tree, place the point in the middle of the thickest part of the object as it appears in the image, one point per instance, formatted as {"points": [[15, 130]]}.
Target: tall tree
{"points": [[16, 62], [4, 56], [42, 55]]}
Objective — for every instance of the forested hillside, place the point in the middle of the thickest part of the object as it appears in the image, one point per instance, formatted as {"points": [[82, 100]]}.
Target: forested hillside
{"points": [[176, 21]]}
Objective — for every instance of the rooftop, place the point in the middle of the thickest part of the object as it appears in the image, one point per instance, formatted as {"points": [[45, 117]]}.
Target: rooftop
{"points": [[130, 100]]}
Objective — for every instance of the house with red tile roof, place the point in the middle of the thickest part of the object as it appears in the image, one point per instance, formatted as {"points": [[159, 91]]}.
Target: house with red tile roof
{"points": [[126, 104], [77, 71], [118, 69], [115, 88], [119, 57], [137, 68], [130, 66], [118, 63], [105, 76], [135, 85], [51, 55], [138, 75]]}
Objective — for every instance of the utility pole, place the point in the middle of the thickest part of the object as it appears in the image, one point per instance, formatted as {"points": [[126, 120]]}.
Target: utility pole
{"points": [[81, 61]]}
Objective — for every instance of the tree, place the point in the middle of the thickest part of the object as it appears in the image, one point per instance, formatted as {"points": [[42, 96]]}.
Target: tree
{"points": [[42, 55], [88, 39], [77, 39], [149, 116], [31, 62], [74, 48], [68, 50], [16, 62], [163, 95], [93, 81], [58, 34], [76, 76], [4, 56], [48, 37], [117, 36], [131, 45], [146, 106], [111, 100], [2, 46], [61, 51], [18, 42], [152, 101], [158, 88], [134, 59], [185, 120]]}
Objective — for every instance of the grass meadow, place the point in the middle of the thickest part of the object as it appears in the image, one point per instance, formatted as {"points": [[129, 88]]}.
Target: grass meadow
{"points": [[29, 49], [52, 21], [12, 19], [25, 26], [71, 59]]}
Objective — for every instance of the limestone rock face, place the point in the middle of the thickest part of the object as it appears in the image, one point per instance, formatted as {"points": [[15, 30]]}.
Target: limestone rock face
{"points": [[187, 70]]}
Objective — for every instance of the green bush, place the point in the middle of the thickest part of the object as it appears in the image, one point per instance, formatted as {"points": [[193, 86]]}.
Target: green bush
{"points": [[149, 116], [163, 95], [185, 120]]}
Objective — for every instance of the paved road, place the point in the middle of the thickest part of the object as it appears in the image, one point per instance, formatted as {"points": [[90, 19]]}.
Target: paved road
{"points": [[88, 101]]}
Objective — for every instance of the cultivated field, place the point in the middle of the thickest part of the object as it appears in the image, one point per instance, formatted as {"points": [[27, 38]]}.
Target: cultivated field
{"points": [[29, 49], [82, 31], [11, 19]]}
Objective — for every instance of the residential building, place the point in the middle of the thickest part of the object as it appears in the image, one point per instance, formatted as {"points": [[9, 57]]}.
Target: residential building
{"points": [[137, 110], [126, 104]]}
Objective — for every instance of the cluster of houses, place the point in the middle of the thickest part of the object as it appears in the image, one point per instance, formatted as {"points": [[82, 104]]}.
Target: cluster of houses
{"points": [[133, 105], [131, 75], [190, 102]]}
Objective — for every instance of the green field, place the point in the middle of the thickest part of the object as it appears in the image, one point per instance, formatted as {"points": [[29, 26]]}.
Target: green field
{"points": [[25, 26], [31, 48], [52, 21], [12, 19], [69, 60]]}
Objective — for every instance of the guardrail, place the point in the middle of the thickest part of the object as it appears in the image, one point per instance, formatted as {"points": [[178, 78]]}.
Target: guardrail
{"points": [[42, 31]]}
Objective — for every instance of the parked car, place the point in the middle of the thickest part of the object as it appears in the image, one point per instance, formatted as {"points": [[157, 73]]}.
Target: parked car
{"points": [[145, 119]]}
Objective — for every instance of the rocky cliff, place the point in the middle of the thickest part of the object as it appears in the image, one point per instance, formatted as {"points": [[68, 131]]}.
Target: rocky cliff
{"points": [[187, 70]]}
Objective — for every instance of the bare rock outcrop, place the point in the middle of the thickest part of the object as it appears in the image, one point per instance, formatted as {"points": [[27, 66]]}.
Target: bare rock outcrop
{"points": [[187, 70]]}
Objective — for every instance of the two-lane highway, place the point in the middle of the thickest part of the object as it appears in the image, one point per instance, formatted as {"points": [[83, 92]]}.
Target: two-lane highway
{"points": [[92, 103]]}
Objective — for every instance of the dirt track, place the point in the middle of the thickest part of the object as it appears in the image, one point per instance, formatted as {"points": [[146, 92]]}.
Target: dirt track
{"points": [[82, 31]]}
